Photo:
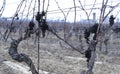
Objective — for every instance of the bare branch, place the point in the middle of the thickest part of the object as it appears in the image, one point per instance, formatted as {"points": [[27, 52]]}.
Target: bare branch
{"points": [[101, 19], [47, 8], [112, 9], [65, 18], [48, 5], [29, 8], [92, 8], [75, 12], [65, 41], [8, 31], [60, 8], [104, 8], [83, 9], [34, 9], [2, 8], [117, 13]]}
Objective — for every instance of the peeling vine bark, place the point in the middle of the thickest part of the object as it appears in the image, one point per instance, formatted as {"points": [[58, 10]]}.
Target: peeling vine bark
{"points": [[92, 48], [21, 57]]}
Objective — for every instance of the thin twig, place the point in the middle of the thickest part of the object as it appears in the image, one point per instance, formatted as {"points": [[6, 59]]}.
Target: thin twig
{"points": [[92, 8], [74, 11], [84, 10], [65, 41], [8, 31], [3, 7], [64, 19]]}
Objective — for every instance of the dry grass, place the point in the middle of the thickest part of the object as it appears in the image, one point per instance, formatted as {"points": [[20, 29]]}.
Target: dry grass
{"points": [[63, 60]]}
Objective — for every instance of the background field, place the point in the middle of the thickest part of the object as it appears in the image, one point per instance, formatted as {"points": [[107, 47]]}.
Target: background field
{"points": [[57, 57]]}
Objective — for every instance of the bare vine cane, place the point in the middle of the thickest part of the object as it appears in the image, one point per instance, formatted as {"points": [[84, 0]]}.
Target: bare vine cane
{"points": [[62, 39], [65, 18], [38, 19], [9, 30], [2, 8], [42, 25]]}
